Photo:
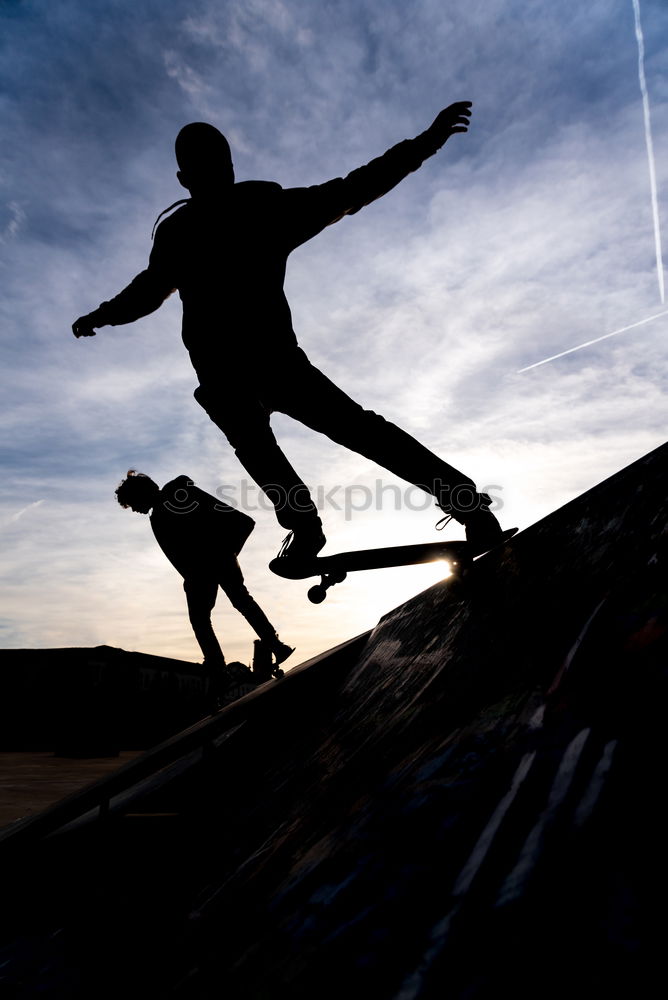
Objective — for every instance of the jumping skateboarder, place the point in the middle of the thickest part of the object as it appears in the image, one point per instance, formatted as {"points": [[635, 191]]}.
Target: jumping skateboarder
{"points": [[225, 250], [202, 537]]}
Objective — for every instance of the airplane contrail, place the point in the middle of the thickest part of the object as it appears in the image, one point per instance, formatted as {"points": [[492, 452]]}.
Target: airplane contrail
{"points": [[650, 147], [596, 340], [20, 513]]}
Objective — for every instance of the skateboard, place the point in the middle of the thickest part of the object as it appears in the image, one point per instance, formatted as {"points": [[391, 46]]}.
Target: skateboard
{"points": [[334, 569]]}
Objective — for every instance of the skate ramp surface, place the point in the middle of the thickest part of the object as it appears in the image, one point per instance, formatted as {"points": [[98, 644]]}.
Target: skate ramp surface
{"points": [[471, 803]]}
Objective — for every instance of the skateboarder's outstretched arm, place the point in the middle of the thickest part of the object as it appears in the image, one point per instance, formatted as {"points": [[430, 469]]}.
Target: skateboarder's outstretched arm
{"points": [[309, 210], [142, 296]]}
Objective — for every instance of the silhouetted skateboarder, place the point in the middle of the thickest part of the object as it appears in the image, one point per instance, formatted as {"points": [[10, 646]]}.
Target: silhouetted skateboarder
{"points": [[202, 537], [225, 250]]}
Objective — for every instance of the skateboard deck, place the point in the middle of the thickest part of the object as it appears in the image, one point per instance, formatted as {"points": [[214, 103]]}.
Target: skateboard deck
{"points": [[334, 569]]}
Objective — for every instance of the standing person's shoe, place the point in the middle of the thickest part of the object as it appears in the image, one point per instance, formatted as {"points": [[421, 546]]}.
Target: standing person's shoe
{"points": [[281, 651], [483, 531], [304, 542], [264, 667], [215, 669]]}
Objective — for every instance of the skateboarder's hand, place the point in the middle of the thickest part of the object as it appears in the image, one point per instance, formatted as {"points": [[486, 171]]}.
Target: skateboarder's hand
{"points": [[454, 118], [85, 325]]}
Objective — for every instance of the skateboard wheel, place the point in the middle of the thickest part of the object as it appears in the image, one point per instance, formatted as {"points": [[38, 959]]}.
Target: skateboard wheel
{"points": [[317, 594], [279, 673]]}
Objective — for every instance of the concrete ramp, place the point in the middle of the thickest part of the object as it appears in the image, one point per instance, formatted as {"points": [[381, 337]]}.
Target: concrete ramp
{"points": [[471, 805]]}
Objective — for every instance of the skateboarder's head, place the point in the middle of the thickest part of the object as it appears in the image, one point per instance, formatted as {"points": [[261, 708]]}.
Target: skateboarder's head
{"points": [[138, 492], [204, 159]]}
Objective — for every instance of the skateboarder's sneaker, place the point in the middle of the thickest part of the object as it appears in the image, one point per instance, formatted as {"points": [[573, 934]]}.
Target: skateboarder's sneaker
{"points": [[304, 542], [482, 529]]}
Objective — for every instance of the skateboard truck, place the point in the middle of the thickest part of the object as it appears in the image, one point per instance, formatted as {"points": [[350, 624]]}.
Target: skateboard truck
{"points": [[318, 592]]}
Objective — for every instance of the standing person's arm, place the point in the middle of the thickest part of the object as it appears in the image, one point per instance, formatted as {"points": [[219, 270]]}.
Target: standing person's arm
{"points": [[142, 296], [309, 210]]}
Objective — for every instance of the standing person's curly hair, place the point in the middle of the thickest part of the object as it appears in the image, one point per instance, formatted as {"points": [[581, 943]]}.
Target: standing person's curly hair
{"points": [[137, 487]]}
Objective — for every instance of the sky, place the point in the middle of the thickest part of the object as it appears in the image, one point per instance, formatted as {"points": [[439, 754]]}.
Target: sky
{"points": [[537, 231]]}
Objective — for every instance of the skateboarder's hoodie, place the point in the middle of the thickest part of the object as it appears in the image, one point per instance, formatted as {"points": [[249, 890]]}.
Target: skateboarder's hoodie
{"points": [[225, 250]]}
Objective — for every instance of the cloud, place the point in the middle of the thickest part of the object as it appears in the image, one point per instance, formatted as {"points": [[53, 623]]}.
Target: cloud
{"points": [[531, 234], [186, 77], [15, 217]]}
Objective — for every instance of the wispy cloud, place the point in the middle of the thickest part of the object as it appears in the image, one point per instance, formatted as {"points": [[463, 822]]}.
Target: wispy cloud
{"points": [[186, 77], [15, 219]]}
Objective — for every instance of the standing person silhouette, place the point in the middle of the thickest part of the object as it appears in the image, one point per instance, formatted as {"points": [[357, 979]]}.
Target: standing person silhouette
{"points": [[202, 537], [225, 250]]}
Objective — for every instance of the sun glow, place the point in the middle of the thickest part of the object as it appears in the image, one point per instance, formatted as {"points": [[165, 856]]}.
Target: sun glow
{"points": [[378, 592], [442, 569]]}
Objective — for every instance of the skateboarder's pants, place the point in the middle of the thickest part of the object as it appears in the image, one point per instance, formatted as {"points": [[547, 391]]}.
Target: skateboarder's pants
{"points": [[300, 390], [201, 592]]}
